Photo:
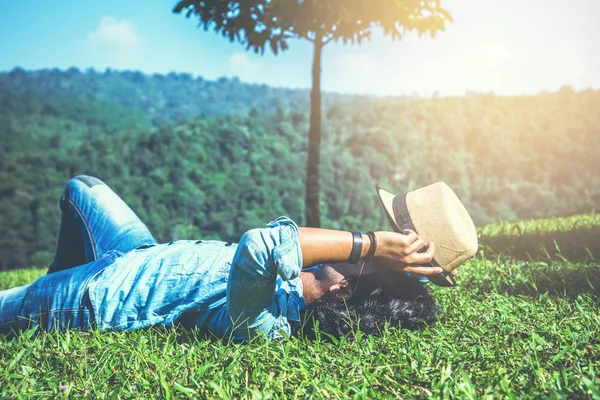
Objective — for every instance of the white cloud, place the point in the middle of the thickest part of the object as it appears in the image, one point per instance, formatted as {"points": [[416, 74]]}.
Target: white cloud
{"points": [[242, 66], [114, 32]]}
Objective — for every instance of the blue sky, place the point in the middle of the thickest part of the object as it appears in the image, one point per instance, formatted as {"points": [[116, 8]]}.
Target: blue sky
{"points": [[508, 47]]}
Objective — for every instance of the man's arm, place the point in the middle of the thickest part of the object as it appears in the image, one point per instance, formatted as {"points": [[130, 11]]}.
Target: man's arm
{"points": [[399, 251], [261, 256]]}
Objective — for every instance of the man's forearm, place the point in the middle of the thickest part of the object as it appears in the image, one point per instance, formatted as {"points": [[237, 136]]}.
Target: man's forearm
{"points": [[326, 245]]}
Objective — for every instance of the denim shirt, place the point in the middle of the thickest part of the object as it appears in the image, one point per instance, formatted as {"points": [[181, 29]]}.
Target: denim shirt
{"points": [[231, 290]]}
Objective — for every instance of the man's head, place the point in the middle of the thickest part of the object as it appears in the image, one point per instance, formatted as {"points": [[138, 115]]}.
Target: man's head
{"points": [[341, 298]]}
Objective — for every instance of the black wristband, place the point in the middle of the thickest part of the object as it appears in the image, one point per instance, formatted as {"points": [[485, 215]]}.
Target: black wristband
{"points": [[357, 244], [373, 247]]}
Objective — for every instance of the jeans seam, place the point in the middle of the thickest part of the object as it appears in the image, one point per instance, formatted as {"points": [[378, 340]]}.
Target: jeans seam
{"points": [[87, 228], [57, 310]]}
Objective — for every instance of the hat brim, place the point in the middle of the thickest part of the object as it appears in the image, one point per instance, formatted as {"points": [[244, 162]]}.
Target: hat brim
{"points": [[444, 279], [387, 202]]}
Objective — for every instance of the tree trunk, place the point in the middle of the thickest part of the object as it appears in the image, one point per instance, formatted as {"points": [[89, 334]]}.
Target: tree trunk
{"points": [[313, 216]]}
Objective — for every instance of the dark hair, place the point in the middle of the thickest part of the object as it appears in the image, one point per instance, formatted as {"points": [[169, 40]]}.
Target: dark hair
{"points": [[409, 305]]}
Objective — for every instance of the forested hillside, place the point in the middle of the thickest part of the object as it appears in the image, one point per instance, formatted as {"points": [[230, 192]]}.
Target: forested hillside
{"points": [[208, 159], [161, 98]]}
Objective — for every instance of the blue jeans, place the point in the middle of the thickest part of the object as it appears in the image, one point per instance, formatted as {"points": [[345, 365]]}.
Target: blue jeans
{"points": [[96, 227]]}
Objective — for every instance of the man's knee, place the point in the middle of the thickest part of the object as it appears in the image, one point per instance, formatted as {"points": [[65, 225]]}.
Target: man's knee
{"points": [[90, 181], [80, 183]]}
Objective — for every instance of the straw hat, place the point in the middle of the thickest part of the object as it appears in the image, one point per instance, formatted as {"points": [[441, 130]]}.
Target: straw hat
{"points": [[436, 214]]}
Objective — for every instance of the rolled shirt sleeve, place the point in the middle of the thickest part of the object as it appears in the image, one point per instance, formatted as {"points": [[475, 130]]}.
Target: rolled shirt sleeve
{"points": [[262, 255]]}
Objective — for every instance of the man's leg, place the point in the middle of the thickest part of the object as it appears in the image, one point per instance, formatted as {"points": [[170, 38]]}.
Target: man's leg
{"points": [[56, 301], [95, 220]]}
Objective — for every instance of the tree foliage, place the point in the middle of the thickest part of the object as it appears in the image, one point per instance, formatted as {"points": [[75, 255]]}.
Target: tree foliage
{"points": [[258, 23]]}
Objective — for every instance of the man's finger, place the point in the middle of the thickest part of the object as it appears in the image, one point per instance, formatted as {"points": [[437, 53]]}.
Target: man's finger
{"points": [[411, 235], [422, 258], [415, 246]]}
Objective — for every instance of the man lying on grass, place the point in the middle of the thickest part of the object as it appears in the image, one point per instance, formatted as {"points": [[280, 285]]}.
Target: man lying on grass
{"points": [[110, 274]]}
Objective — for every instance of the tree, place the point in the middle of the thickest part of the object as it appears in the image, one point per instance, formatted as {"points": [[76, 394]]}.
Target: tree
{"points": [[258, 22]]}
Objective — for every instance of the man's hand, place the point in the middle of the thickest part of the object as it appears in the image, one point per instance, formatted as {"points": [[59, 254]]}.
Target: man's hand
{"points": [[400, 252]]}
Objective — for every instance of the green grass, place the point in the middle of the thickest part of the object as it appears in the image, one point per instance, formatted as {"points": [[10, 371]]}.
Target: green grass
{"points": [[575, 238], [581, 221], [512, 329]]}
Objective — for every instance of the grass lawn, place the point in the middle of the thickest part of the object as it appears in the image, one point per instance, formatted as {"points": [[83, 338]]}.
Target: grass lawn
{"points": [[510, 329]]}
